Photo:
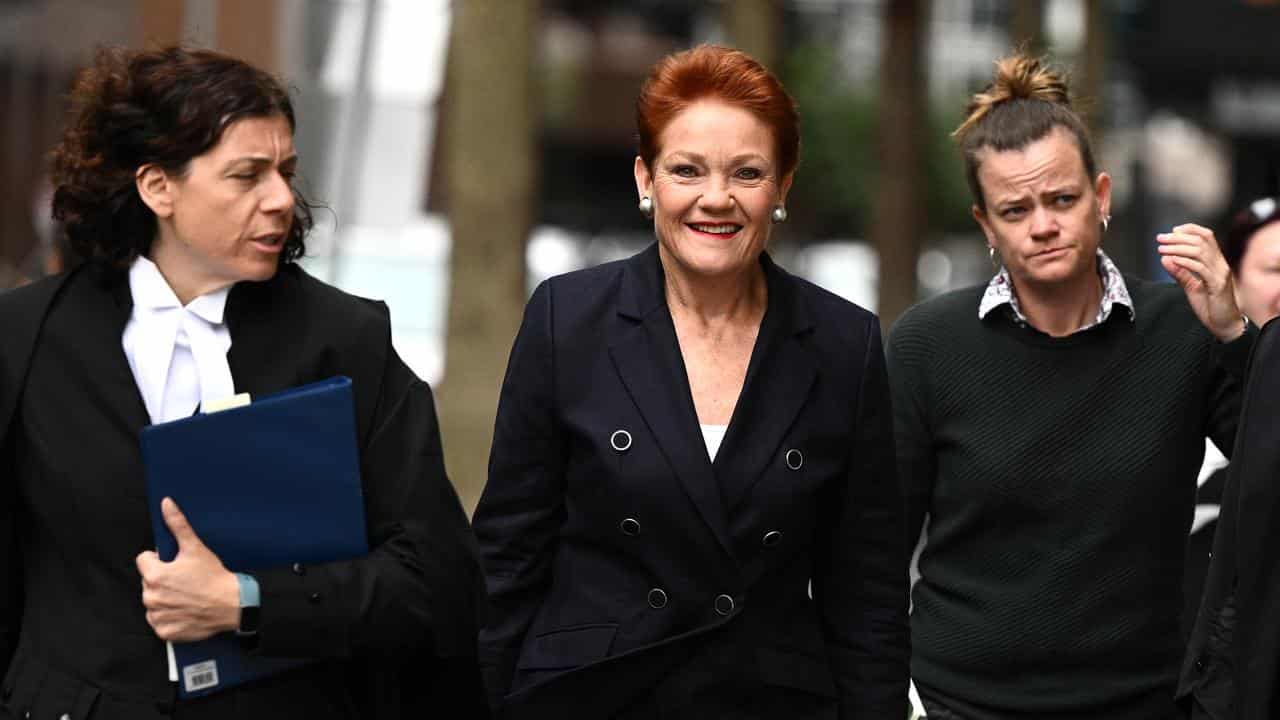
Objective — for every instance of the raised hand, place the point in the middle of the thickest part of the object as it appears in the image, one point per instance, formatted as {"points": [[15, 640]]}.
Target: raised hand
{"points": [[1191, 255]]}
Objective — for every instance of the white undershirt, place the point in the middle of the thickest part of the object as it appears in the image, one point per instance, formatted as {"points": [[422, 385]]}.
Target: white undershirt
{"points": [[178, 354], [712, 435]]}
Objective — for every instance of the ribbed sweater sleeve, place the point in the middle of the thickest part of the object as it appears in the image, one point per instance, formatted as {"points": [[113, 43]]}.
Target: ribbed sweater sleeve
{"points": [[1227, 368]]}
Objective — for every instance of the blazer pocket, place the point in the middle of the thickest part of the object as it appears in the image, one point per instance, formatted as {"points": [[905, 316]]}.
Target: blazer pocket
{"points": [[567, 648], [40, 691], [796, 670]]}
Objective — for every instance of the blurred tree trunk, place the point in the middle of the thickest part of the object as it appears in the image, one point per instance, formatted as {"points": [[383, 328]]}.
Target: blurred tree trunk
{"points": [[1026, 26], [753, 27], [158, 22], [250, 30], [899, 211], [490, 176], [1093, 65]]}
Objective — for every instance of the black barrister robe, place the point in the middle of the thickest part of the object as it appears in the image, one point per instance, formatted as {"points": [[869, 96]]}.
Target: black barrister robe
{"points": [[631, 576], [1232, 667], [394, 629]]}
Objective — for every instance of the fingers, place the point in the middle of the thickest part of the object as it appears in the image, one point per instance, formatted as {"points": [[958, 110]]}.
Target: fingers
{"points": [[165, 625], [179, 526], [1189, 273], [1194, 229], [147, 563], [1186, 277], [1187, 244], [151, 568], [1194, 248], [1189, 234]]}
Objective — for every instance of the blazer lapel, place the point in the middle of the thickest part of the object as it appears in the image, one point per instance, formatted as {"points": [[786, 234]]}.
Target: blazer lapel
{"points": [[647, 358], [111, 315], [258, 338], [779, 378]]}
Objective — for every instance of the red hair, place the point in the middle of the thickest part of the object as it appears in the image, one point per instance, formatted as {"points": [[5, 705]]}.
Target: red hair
{"points": [[713, 72]]}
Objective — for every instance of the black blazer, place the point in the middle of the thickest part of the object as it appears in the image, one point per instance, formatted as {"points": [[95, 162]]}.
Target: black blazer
{"points": [[627, 570], [1232, 666], [73, 515]]}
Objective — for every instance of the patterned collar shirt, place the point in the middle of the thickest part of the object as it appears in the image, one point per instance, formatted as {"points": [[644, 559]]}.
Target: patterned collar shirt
{"points": [[1000, 294]]}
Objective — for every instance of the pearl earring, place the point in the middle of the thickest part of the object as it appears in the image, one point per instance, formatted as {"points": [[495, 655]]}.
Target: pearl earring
{"points": [[646, 206], [779, 214]]}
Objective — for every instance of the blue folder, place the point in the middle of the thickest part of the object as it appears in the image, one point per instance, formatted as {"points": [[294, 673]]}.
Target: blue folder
{"points": [[264, 485]]}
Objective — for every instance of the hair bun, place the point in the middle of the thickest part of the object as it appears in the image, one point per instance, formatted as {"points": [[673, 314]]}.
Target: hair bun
{"points": [[1017, 77]]}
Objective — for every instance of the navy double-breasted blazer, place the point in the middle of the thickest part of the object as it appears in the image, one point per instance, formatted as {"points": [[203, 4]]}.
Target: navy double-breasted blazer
{"points": [[625, 569]]}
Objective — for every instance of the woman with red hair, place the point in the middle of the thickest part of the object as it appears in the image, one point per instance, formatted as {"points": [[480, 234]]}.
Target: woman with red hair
{"points": [[692, 507]]}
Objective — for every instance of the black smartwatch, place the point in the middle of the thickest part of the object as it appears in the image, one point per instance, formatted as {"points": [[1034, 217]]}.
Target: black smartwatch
{"points": [[250, 618], [250, 605]]}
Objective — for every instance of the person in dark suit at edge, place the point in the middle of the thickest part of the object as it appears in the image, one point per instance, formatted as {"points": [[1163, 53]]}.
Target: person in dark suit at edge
{"points": [[175, 179], [1233, 656], [692, 508]]}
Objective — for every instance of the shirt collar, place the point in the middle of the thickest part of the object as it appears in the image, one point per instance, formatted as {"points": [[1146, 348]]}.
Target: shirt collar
{"points": [[150, 290], [999, 293]]}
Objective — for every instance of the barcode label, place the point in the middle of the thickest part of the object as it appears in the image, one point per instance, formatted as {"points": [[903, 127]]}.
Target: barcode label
{"points": [[200, 675]]}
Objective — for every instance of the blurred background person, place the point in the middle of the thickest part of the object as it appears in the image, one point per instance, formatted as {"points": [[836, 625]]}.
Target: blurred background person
{"points": [[692, 507], [1251, 247], [174, 180], [1050, 424], [1220, 656]]}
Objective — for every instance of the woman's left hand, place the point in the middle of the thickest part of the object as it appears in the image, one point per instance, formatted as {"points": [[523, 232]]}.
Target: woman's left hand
{"points": [[193, 596], [1191, 255]]}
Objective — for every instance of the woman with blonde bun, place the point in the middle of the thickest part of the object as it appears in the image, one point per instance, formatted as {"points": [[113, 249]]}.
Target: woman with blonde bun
{"points": [[1050, 425]]}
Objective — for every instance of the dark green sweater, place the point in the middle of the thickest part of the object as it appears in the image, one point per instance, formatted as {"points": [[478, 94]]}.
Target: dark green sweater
{"points": [[1059, 477]]}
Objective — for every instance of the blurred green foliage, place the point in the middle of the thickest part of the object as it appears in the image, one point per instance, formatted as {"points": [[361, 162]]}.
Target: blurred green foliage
{"points": [[835, 184]]}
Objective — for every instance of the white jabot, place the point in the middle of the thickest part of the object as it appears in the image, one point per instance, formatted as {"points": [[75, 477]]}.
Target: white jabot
{"points": [[713, 435], [178, 354]]}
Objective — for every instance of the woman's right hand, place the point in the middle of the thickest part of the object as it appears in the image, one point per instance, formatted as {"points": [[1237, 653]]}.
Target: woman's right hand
{"points": [[1192, 256], [193, 596]]}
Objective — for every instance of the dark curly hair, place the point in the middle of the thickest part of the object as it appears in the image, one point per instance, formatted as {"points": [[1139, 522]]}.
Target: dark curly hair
{"points": [[131, 108]]}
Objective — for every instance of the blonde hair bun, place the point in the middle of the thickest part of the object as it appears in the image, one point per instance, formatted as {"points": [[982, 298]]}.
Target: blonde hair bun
{"points": [[1018, 77]]}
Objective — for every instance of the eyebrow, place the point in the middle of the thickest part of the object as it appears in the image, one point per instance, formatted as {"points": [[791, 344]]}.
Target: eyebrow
{"points": [[732, 161], [1070, 188], [1067, 187], [1008, 200], [262, 160]]}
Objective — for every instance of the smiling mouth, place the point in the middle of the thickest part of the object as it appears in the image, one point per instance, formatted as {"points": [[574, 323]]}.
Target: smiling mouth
{"points": [[716, 229]]}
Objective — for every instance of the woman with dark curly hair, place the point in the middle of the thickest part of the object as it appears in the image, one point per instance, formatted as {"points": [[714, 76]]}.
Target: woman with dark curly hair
{"points": [[174, 179]]}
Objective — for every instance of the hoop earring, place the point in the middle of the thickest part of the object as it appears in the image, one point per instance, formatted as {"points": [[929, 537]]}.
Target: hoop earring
{"points": [[779, 214], [646, 206]]}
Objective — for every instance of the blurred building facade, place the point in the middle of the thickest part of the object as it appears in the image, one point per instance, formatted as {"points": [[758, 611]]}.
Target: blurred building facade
{"points": [[1189, 117]]}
